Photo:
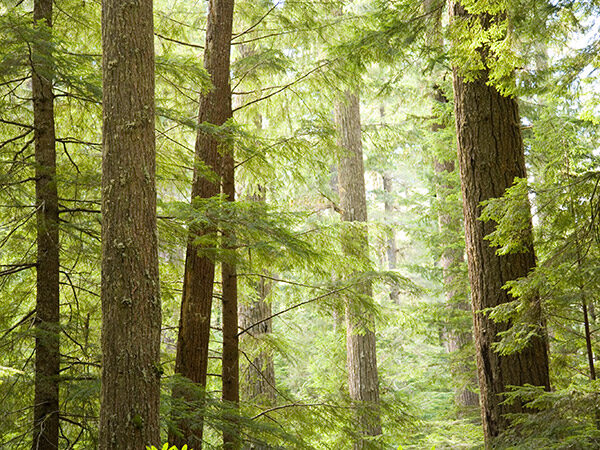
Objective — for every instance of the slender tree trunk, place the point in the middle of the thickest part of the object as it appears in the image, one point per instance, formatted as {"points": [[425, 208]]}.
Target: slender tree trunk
{"points": [[361, 357], [391, 247], [259, 381], [457, 338], [194, 323], [47, 354], [131, 314], [491, 155], [230, 376]]}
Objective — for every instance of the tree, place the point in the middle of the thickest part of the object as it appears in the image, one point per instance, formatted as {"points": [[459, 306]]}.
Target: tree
{"points": [[194, 323], [231, 366], [131, 309], [361, 356], [491, 157], [47, 310]]}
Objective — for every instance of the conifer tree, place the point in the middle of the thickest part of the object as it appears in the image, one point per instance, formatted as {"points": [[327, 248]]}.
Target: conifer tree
{"points": [[491, 157], [194, 323], [47, 353], [361, 356], [231, 369], [131, 308]]}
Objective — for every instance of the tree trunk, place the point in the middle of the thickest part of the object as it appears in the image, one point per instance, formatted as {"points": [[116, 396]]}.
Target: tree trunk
{"points": [[361, 357], [47, 321], [259, 381], [490, 151], [457, 338], [391, 247], [230, 376], [131, 314], [194, 323]]}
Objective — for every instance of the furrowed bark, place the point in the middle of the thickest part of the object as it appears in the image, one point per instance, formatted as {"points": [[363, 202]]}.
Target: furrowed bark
{"points": [[491, 155], [131, 311], [47, 320]]}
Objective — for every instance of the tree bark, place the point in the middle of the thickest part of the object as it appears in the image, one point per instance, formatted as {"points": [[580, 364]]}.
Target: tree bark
{"points": [[491, 155], [47, 320], [194, 323], [361, 356], [231, 370], [131, 311], [391, 247]]}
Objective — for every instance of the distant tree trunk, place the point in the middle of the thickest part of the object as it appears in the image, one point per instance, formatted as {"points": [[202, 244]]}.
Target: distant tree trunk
{"points": [[259, 380], [457, 339], [361, 357], [391, 247], [491, 155], [131, 312], [47, 321], [194, 323]]}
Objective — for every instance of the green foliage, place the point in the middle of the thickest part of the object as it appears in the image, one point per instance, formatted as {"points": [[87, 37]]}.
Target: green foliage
{"points": [[291, 60]]}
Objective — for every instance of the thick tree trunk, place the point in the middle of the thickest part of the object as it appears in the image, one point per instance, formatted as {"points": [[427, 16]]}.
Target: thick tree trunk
{"points": [[47, 354], [361, 357], [131, 314], [194, 323], [490, 151]]}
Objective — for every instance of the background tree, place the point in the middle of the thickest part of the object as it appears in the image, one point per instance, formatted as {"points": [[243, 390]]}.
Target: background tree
{"points": [[361, 358]]}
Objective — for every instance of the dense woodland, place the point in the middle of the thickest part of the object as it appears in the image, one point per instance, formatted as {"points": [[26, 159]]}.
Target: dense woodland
{"points": [[294, 224]]}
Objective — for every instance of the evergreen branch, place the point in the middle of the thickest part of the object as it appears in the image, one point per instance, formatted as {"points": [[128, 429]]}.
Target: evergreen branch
{"points": [[4, 83], [257, 23], [297, 305], [73, 210], [295, 283], [187, 44], [259, 371], [25, 147], [72, 140], [16, 269], [17, 124], [297, 80], [19, 323], [69, 157], [16, 138], [292, 405], [283, 33], [23, 222]]}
